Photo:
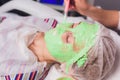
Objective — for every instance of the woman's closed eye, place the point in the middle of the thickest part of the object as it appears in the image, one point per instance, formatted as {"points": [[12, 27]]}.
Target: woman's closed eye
{"points": [[75, 25], [68, 37]]}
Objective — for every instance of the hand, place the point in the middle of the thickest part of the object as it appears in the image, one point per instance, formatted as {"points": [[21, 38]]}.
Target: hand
{"points": [[80, 6]]}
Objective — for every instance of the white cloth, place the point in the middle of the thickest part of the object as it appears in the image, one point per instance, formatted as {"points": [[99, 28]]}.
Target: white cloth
{"points": [[16, 33], [31, 7]]}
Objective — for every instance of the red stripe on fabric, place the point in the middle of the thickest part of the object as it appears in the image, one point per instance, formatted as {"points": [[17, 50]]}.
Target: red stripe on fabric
{"points": [[54, 24], [21, 75], [44, 73], [46, 20], [3, 18], [32, 75], [7, 77], [18, 77]]}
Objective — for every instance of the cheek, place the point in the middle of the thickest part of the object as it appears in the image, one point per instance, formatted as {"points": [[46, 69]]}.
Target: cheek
{"points": [[77, 47], [35, 45], [38, 40], [68, 38]]}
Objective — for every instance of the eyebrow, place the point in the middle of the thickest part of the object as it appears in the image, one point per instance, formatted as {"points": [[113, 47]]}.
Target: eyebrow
{"points": [[75, 24], [72, 26]]}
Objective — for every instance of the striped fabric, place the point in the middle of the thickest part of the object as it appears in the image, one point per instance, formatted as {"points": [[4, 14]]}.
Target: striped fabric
{"points": [[13, 64], [53, 23], [36, 75], [27, 76]]}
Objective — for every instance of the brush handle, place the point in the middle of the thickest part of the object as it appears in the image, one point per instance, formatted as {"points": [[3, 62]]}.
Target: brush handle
{"points": [[67, 6]]}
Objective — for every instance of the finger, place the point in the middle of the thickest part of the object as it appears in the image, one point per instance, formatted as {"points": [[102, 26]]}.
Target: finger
{"points": [[72, 2]]}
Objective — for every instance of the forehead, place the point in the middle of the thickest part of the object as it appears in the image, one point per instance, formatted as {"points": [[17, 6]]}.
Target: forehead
{"points": [[68, 25], [77, 28], [64, 25]]}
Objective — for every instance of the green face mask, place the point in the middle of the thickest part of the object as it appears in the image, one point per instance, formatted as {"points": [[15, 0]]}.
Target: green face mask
{"points": [[84, 33]]}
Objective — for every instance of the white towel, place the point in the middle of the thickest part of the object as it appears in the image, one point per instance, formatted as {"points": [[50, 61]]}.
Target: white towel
{"points": [[16, 33]]}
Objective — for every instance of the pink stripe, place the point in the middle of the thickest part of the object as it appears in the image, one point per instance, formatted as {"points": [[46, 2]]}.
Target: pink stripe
{"points": [[3, 18], [54, 24], [32, 77], [18, 77], [46, 20], [7, 77]]}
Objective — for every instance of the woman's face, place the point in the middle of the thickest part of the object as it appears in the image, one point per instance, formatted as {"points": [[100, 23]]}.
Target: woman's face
{"points": [[62, 41], [67, 40], [39, 45]]}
